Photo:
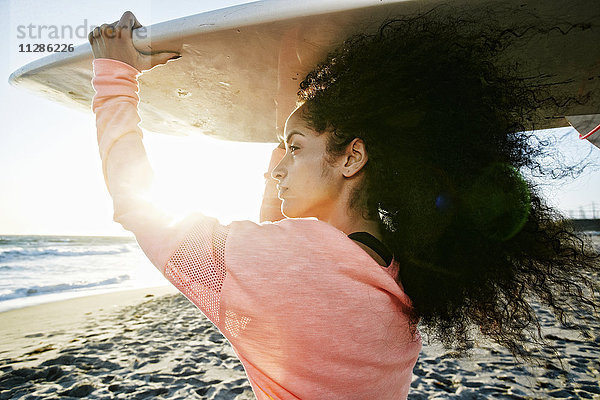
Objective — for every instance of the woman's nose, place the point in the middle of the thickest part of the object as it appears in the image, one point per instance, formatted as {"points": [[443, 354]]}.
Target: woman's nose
{"points": [[279, 171]]}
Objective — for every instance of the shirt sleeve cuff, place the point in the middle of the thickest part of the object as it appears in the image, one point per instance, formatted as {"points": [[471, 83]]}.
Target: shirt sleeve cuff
{"points": [[107, 64], [113, 78]]}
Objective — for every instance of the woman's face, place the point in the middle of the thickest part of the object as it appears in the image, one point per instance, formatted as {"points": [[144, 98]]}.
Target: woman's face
{"points": [[309, 185]]}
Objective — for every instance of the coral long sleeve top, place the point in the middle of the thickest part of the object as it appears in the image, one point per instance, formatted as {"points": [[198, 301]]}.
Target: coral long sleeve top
{"points": [[308, 312]]}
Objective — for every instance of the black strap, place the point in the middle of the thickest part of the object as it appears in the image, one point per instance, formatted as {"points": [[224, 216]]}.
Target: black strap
{"points": [[375, 244]]}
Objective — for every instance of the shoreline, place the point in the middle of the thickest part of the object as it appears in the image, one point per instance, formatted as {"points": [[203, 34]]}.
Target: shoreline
{"points": [[19, 303], [22, 330]]}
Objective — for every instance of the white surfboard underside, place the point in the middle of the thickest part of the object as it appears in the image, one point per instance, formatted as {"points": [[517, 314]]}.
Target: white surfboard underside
{"points": [[241, 66]]}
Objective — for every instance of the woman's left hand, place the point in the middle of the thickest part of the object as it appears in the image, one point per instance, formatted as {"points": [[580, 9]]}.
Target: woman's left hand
{"points": [[115, 41]]}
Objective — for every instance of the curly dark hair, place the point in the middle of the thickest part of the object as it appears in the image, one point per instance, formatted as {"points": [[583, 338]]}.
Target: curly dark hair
{"points": [[448, 123]]}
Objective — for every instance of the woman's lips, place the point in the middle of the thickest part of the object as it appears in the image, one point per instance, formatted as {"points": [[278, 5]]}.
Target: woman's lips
{"points": [[280, 190]]}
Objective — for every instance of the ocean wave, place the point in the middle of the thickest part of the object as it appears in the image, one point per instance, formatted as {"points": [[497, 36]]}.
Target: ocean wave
{"points": [[61, 287], [12, 254]]}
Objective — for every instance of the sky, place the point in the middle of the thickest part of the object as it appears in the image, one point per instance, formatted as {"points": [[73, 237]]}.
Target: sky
{"points": [[50, 174]]}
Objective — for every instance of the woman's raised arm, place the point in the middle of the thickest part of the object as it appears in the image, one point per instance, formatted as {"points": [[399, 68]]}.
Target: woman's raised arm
{"points": [[127, 173]]}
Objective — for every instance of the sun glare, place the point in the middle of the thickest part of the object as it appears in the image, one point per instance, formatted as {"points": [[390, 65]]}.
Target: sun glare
{"points": [[200, 174]]}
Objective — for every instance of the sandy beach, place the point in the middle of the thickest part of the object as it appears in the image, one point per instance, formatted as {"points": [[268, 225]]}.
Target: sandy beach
{"points": [[137, 344], [152, 343]]}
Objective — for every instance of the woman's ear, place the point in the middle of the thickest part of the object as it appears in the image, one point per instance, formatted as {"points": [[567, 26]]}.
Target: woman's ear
{"points": [[355, 158]]}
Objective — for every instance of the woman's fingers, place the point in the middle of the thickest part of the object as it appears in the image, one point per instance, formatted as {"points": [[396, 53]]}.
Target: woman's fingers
{"points": [[136, 23], [107, 30], [115, 41], [162, 57], [128, 21], [124, 27], [131, 20]]}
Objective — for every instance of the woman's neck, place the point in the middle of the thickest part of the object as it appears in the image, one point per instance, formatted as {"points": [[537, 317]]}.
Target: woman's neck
{"points": [[356, 223], [351, 221]]}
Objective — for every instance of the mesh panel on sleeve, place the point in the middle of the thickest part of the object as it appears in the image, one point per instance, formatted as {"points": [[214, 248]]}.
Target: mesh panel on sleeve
{"points": [[198, 269], [235, 324]]}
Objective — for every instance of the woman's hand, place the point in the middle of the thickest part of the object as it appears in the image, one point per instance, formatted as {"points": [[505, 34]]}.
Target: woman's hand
{"points": [[115, 41], [270, 209]]}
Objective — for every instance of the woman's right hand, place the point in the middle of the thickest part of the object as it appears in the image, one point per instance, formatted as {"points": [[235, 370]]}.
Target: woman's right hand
{"points": [[115, 41], [270, 209]]}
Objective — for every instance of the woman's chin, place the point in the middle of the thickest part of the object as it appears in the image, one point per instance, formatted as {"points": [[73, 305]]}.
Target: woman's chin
{"points": [[290, 211]]}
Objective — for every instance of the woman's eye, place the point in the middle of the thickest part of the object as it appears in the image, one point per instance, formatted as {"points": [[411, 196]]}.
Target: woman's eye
{"points": [[293, 148]]}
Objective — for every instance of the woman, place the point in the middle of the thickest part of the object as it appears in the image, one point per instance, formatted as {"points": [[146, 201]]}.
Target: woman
{"points": [[405, 151]]}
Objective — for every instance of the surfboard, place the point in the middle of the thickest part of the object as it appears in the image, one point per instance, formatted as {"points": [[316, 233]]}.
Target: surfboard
{"points": [[241, 66]]}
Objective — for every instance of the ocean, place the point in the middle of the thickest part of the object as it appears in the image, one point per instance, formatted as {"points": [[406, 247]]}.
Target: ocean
{"points": [[41, 269]]}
